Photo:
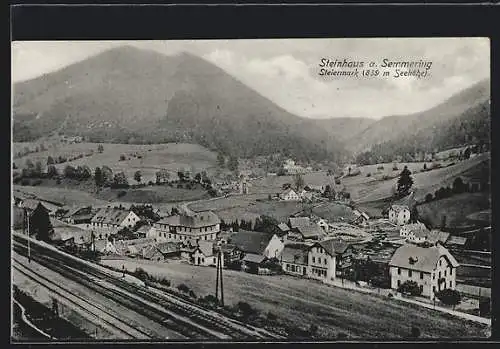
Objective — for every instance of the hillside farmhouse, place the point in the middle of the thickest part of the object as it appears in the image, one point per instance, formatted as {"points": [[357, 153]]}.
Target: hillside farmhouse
{"points": [[289, 195], [109, 220], [414, 232], [433, 268], [399, 214]]}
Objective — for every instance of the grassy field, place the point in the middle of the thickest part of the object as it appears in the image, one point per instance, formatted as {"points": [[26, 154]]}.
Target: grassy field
{"points": [[305, 302], [424, 182], [247, 207], [334, 212], [456, 209], [146, 158], [66, 196]]}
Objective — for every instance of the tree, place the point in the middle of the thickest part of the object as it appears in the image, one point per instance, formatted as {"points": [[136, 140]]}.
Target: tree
{"points": [[50, 160], [458, 186], [137, 176], [29, 164], [38, 168], [299, 182], [98, 176], [120, 179], [414, 214], [410, 287], [428, 197], [220, 160], [40, 225], [197, 178], [122, 157], [107, 174], [69, 172], [52, 171], [405, 182], [181, 175], [449, 297], [467, 153], [233, 163], [100, 148], [83, 172]]}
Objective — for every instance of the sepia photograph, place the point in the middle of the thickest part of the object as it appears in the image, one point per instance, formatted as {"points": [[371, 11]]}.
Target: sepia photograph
{"points": [[266, 190]]}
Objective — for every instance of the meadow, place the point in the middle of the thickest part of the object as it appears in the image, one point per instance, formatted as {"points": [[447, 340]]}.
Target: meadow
{"points": [[304, 302], [146, 158]]}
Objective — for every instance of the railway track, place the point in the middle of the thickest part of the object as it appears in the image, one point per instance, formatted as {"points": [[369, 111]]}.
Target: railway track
{"points": [[184, 317], [107, 320]]}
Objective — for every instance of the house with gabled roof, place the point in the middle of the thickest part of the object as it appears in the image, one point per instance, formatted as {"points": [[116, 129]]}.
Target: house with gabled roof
{"points": [[414, 232], [110, 220], [399, 214], [432, 268], [205, 254], [260, 243], [289, 195], [203, 225], [295, 258], [342, 250]]}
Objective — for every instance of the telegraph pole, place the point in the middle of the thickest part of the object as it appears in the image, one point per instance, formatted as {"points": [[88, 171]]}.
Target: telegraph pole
{"points": [[28, 224], [219, 271]]}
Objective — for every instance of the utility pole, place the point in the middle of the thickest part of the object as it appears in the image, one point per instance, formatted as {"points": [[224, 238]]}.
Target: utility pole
{"points": [[219, 271], [28, 224]]}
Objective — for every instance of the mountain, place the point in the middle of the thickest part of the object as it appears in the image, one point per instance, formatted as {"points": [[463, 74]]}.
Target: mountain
{"points": [[343, 128], [129, 95], [446, 125]]}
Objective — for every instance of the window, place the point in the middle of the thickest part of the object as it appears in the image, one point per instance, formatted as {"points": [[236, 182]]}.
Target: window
{"points": [[433, 289], [450, 284], [433, 276], [445, 273], [325, 261], [440, 262], [399, 271], [421, 276], [409, 273], [399, 283], [169, 236], [287, 267], [314, 260], [421, 288], [440, 274]]}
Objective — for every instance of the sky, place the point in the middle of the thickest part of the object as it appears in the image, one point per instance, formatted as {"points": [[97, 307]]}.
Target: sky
{"points": [[287, 70]]}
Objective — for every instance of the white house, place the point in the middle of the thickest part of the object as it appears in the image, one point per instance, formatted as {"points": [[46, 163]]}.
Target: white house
{"points": [[205, 255], [110, 220], [414, 232], [274, 248], [289, 195], [399, 214], [432, 268], [203, 225], [322, 262], [295, 259]]}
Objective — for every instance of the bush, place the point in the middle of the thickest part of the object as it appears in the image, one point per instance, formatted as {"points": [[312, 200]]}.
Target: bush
{"points": [[245, 309], [342, 335], [25, 181], [449, 296], [58, 181], [37, 182], [183, 288], [428, 197], [192, 294], [368, 174], [410, 287], [390, 295], [415, 332]]}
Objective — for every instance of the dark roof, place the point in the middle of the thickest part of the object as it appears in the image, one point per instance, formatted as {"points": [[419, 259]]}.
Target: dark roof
{"points": [[438, 236], [425, 258], [250, 241], [398, 208], [254, 258], [283, 227], [167, 247], [110, 215], [310, 231], [295, 253], [299, 221], [206, 247], [456, 240], [334, 246], [192, 219]]}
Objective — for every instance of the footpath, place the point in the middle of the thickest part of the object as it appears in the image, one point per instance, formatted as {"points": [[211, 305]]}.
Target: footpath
{"points": [[347, 284]]}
